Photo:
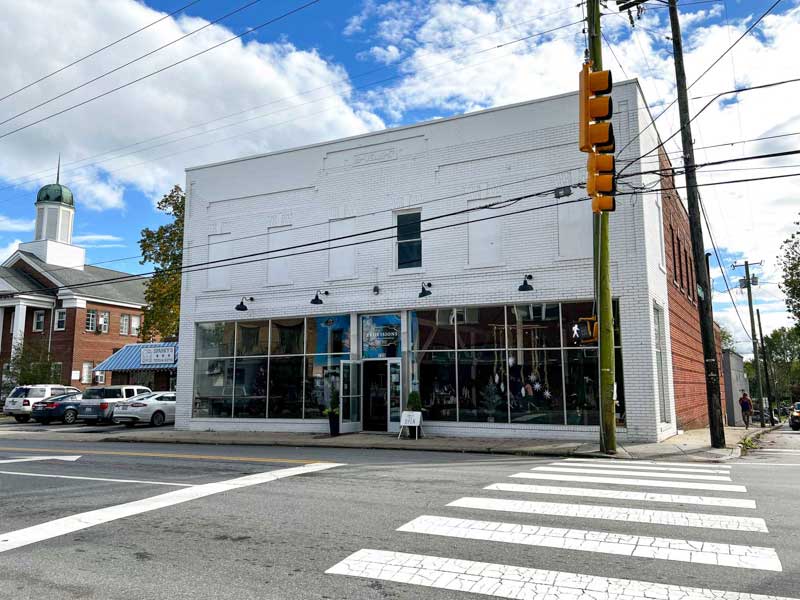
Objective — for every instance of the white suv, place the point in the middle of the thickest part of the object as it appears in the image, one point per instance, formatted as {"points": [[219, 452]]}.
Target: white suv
{"points": [[19, 402], [98, 403]]}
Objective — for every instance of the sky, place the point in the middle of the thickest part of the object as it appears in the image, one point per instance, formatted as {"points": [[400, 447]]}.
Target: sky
{"points": [[336, 68]]}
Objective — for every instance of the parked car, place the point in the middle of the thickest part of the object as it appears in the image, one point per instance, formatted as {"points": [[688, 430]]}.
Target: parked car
{"points": [[156, 408], [98, 403], [58, 408], [20, 401], [794, 417]]}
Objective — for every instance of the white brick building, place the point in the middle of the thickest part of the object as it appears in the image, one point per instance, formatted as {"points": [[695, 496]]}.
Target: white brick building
{"points": [[487, 358]]}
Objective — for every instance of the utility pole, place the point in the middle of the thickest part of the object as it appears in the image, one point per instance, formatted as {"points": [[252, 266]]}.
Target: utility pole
{"points": [[770, 399], [602, 275], [704, 295], [748, 283]]}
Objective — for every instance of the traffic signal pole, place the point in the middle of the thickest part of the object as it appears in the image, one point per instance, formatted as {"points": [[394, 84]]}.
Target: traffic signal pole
{"points": [[605, 317], [704, 295], [756, 361]]}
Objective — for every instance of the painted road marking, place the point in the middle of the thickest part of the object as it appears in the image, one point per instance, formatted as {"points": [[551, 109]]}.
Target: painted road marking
{"points": [[616, 513], [36, 458], [723, 555], [506, 581], [630, 473], [96, 479], [777, 450], [683, 485], [617, 465], [59, 527], [636, 463], [168, 455], [622, 495]]}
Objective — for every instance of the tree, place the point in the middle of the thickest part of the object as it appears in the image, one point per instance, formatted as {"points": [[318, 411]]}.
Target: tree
{"points": [[727, 338], [783, 349], [163, 248], [30, 363], [789, 261]]}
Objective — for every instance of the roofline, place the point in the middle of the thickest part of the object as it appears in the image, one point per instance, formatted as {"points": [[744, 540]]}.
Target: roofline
{"points": [[21, 254], [400, 128]]}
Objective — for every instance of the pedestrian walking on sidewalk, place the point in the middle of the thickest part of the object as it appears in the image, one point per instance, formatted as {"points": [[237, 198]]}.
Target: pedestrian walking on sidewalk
{"points": [[747, 409]]}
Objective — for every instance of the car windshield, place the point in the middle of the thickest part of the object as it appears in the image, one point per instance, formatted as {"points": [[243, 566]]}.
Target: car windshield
{"points": [[63, 398], [20, 392], [101, 393], [797, 405]]}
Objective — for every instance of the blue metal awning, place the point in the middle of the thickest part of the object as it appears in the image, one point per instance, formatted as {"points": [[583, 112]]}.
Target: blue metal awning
{"points": [[141, 357]]}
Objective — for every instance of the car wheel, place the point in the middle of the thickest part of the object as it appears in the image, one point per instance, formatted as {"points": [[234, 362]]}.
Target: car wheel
{"points": [[22, 418], [130, 425], [157, 420], [70, 417]]}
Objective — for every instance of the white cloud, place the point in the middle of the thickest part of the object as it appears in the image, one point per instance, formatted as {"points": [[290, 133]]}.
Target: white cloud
{"points": [[9, 249], [386, 55], [234, 77], [92, 238], [10, 224]]}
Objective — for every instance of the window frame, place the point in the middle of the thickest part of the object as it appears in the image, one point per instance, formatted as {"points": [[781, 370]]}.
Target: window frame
{"points": [[398, 241], [91, 317], [59, 313], [138, 319], [103, 321], [86, 374], [100, 377], [124, 324], [37, 314]]}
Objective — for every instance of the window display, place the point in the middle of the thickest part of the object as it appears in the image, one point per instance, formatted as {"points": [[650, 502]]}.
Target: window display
{"points": [[433, 374], [482, 387]]}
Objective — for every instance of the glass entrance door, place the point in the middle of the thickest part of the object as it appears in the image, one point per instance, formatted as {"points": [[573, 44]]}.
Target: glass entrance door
{"points": [[395, 393], [350, 396]]}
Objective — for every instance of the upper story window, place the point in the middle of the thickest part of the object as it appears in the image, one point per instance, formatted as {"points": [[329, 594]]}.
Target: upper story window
{"points": [[38, 320], [103, 320], [136, 323], [60, 322], [124, 324], [409, 240], [91, 321]]}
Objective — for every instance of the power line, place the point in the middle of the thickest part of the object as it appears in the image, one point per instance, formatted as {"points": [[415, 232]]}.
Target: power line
{"points": [[712, 183], [672, 170], [162, 69], [99, 50]]}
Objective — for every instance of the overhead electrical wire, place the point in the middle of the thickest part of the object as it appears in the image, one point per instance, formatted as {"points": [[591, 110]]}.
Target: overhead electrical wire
{"points": [[99, 50]]}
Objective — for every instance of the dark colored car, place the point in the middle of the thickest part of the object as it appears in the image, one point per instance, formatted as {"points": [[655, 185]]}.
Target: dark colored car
{"points": [[794, 417], [58, 408]]}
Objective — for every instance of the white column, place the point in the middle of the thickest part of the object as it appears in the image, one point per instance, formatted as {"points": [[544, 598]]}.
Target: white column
{"points": [[18, 332]]}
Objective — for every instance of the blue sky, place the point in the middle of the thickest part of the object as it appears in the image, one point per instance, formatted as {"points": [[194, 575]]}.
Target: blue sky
{"points": [[303, 80]]}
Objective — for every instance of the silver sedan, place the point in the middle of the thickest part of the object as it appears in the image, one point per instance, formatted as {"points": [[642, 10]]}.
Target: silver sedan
{"points": [[156, 408]]}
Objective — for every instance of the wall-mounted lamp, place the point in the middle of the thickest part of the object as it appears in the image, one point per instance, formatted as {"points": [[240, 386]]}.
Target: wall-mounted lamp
{"points": [[526, 287], [316, 299], [426, 290], [242, 307], [376, 290]]}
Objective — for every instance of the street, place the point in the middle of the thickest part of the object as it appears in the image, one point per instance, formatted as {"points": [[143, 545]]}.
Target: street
{"points": [[129, 521]]}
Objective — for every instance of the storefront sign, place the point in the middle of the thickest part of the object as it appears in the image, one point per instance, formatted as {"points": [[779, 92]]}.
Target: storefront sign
{"points": [[410, 419], [380, 336], [157, 356]]}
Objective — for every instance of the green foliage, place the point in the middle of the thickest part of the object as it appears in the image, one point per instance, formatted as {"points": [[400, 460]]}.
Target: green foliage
{"points": [[783, 350], [163, 247], [30, 363], [727, 338], [414, 403], [789, 260], [334, 408]]}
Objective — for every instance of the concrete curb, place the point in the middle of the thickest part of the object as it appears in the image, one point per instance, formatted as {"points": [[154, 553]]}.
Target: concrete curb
{"points": [[756, 435]]}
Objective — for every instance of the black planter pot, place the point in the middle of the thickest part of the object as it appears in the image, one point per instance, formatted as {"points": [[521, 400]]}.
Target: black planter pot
{"points": [[333, 421]]}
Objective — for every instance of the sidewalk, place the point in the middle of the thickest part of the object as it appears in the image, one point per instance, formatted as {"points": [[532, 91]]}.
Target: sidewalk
{"points": [[691, 445]]}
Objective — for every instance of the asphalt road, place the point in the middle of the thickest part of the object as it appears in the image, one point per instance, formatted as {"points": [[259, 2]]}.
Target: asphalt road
{"points": [[149, 525]]}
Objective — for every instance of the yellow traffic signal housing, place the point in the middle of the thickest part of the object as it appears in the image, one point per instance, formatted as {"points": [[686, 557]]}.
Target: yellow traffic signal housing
{"points": [[600, 174], [602, 203], [594, 108], [588, 329]]}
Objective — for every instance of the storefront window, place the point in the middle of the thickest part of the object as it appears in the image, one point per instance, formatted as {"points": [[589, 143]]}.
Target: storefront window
{"points": [[581, 373], [577, 330], [286, 388], [535, 386], [620, 403], [328, 335], [432, 329], [288, 336], [215, 339], [213, 387], [250, 388], [534, 326], [322, 378], [433, 375], [252, 339], [481, 328], [482, 387], [380, 336]]}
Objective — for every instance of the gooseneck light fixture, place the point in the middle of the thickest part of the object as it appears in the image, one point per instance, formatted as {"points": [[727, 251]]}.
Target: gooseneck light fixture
{"points": [[426, 290], [526, 287], [242, 307], [316, 299]]}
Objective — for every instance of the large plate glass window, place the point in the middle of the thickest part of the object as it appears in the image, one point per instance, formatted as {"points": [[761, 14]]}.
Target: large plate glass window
{"points": [[482, 386], [288, 336], [535, 386], [534, 326], [286, 387], [250, 388], [433, 375], [481, 328], [380, 336], [328, 335], [213, 387], [323, 373], [581, 373]]}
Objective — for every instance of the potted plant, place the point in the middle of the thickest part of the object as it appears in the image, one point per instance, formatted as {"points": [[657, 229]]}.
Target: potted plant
{"points": [[414, 404], [491, 400], [333, 413]]}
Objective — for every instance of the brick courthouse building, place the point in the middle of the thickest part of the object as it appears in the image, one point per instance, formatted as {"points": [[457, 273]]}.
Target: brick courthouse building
{"points": [[50, 297], [479, 317]]}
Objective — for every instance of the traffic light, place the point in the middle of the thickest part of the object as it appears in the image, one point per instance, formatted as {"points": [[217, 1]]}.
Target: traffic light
{"points": [[595, 110], [601, 182]]}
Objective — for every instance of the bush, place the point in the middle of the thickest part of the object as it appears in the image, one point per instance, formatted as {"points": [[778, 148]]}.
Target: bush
{"points": [[414, 403]]}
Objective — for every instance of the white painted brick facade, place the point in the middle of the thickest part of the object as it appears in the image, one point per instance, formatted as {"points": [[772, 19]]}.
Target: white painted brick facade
{"points": [[371, 176]]}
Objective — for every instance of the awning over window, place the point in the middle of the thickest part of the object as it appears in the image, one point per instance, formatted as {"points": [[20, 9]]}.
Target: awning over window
{"points": [[142, 357]]}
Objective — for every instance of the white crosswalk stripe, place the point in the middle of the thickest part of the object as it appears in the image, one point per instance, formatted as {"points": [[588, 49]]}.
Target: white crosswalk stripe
{"points": [[745, 557], [624, 473], [682, 485], [622, 495], [616, 513], [507, 581], [559, 526]]}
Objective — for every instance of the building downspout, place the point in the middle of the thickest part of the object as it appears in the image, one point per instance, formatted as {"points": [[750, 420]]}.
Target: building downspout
{"points": [[50, 333]]}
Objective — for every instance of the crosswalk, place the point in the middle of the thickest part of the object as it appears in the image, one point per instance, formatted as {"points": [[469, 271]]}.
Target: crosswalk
{"points": [[522, 515]]}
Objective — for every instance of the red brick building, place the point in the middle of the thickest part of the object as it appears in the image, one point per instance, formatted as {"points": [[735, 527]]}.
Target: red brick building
{"points": [[49, 296], [687, 348]]}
